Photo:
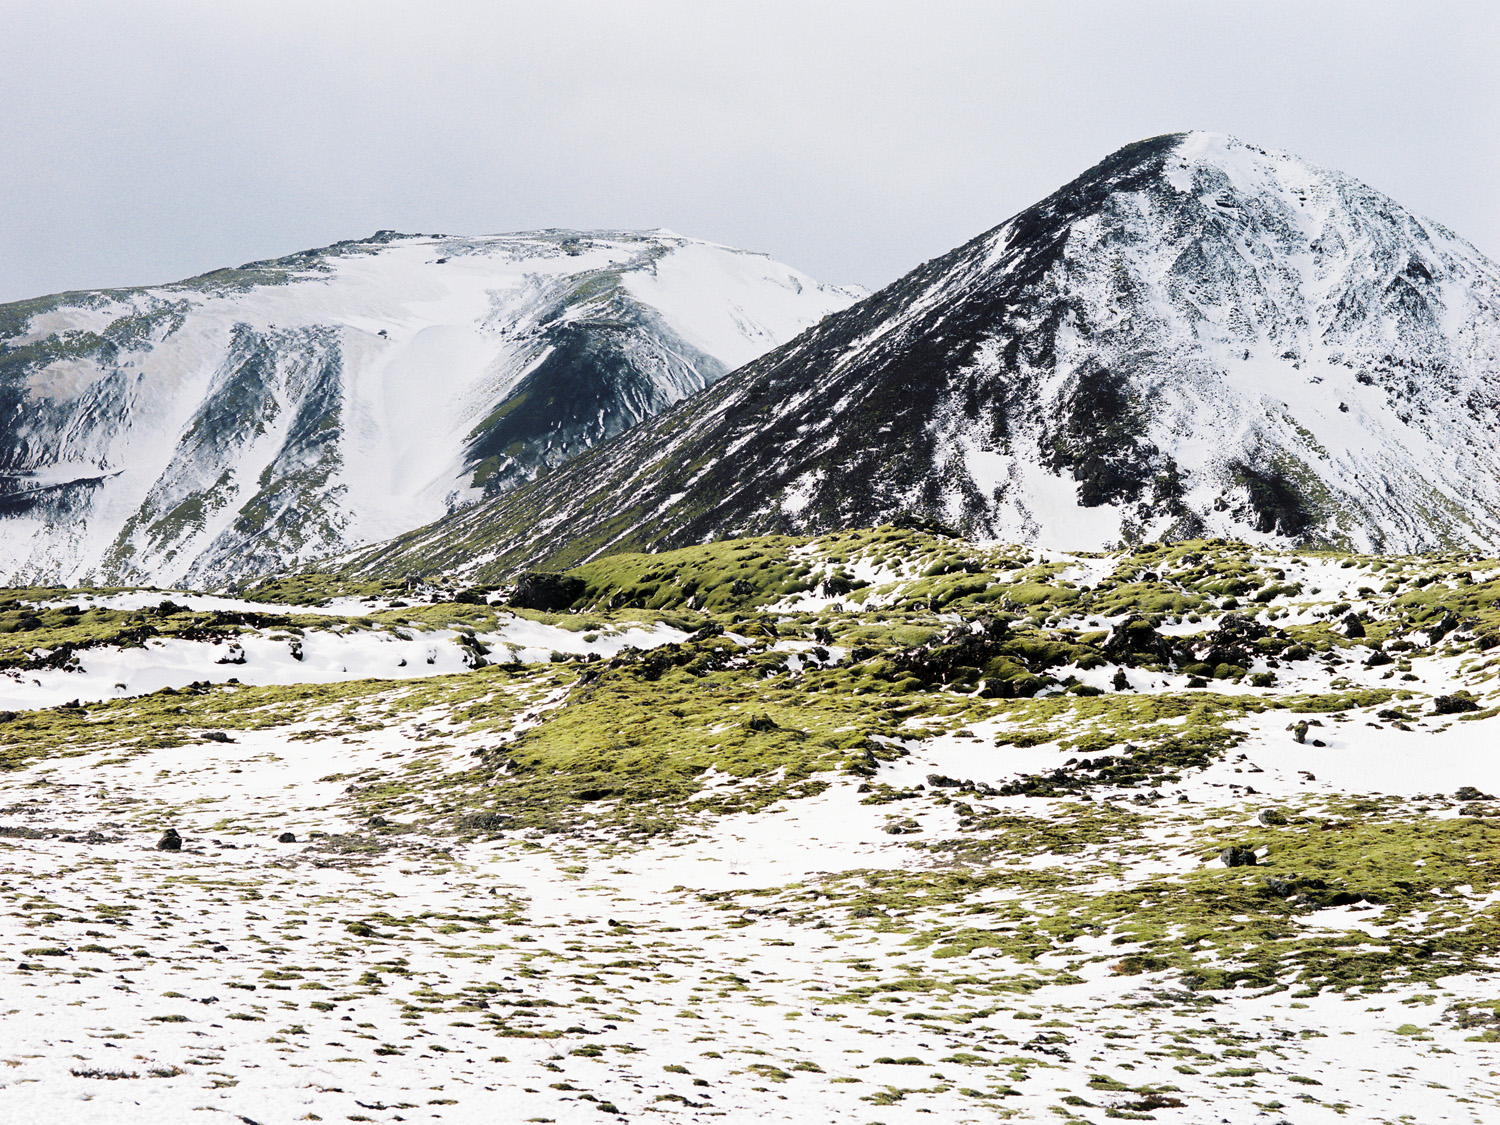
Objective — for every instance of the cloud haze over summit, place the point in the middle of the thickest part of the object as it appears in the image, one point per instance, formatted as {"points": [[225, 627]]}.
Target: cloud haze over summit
{"points": [[153, 140]]}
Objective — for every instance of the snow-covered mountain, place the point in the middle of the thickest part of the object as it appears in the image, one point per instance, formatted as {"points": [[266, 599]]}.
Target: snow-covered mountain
{"points": [[1195, 337], [240, 421]]}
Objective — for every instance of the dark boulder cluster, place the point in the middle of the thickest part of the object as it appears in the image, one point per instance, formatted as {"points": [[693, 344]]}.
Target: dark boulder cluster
{"points": [[546, 593], [1134, 640]]}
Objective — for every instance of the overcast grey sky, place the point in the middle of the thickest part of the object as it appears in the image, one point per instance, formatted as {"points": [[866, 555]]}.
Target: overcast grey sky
{"points": [[147, 141]]}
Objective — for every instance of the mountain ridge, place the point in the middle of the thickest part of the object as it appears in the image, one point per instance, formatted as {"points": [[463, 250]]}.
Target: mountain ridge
{"points": [[234, 423], [1197, 336]]}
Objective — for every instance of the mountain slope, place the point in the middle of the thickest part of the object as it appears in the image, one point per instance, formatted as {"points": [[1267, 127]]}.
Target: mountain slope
{"points": [[228, 425], [1195, 337]]}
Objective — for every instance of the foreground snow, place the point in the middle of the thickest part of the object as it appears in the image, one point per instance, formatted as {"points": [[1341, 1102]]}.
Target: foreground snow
{"points": [[549, 979], [892, 947]]}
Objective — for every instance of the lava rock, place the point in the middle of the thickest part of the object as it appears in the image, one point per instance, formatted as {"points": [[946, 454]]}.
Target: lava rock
{"points": [[1237, 857], [1455, 704], [547, 593], [170, 841], [287, 838]]}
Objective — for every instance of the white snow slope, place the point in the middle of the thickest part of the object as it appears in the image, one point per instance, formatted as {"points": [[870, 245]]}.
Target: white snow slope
{"points": [[230, 424]]}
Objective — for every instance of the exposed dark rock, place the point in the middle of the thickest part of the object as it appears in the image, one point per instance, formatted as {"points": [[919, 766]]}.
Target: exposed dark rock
{"points": [[1233, 642], [1272, 817], [546, 593], [1136, 637], [1237, 857], [1455, 704], [287, 838], [23, 832], [170, 841]]}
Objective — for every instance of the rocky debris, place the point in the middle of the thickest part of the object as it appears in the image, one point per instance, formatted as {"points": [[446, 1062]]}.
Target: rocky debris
{"points": [[90, 837], [1136, 637], [546, 593], [981, 647], [22, 832], [1441, 627], [1233, 642], [1469, 793], [905, 827], [216, 736], [1354, 628], [471, 822], [1456, 704], [235, 655], [1237, 857], [1272, 817], [378, 821], [1299, 731], [170, 841], [287, 838], [943, 781], [1121, 681]]}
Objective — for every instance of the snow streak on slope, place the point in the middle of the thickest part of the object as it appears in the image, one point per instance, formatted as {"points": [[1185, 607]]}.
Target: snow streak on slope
{"points": [[234, 423], [1195, 337]]}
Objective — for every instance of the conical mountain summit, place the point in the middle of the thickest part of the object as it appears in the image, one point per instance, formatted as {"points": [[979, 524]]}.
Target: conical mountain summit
{"points": [[1196, 337]]}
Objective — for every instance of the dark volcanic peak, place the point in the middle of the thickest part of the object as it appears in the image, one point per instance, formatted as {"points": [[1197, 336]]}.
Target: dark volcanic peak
{"points": [[1195, 337]]}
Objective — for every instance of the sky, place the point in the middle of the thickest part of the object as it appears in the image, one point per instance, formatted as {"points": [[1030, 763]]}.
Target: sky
{"points": [[147, 141]]}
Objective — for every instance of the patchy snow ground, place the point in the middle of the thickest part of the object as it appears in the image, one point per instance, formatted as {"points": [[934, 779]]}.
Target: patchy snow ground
{"points": [[750, 966], [272, 656]]}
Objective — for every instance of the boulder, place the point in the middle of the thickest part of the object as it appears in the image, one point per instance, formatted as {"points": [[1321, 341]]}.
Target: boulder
{"points": [[170, 841], [1237, 857], [1455, 704], [547, 593]]}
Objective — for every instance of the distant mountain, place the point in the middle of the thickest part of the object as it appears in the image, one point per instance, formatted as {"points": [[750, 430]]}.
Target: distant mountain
{"points": [[1195, 337], [238, 422]]}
